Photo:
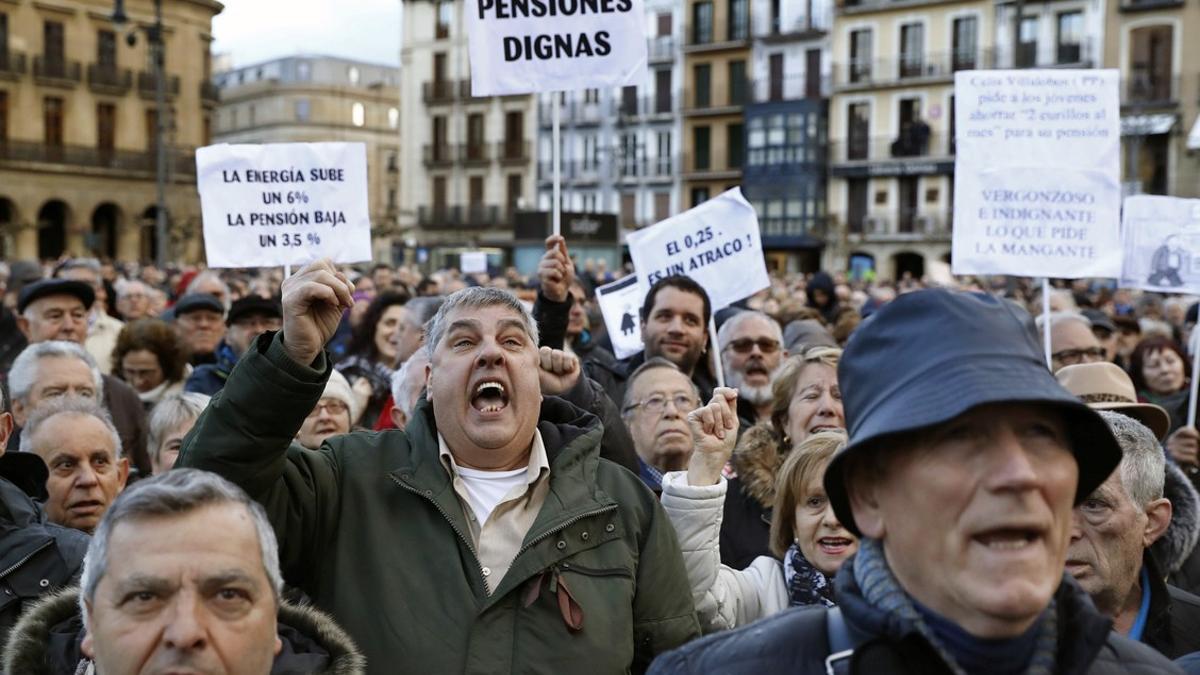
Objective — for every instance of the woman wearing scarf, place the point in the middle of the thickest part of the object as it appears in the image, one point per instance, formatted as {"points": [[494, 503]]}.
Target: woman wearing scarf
{"points": [[808, 542]]}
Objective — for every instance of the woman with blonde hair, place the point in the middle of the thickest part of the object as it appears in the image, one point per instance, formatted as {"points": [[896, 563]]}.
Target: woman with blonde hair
{"points": [[808, 542], [806, 400]]}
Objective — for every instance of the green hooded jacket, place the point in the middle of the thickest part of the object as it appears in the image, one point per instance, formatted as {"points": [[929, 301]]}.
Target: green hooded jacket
{"points": [[371, 528]]}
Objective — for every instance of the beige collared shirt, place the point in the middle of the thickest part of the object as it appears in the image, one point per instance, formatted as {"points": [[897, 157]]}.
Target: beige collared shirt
{"points": [[498, 540]]}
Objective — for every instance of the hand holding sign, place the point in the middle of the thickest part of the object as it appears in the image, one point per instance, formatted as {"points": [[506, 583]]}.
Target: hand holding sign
{"points": [[313, 302]]}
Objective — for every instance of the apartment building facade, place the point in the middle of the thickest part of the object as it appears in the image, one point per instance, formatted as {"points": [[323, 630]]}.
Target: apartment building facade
{"points": [[469, 162], [787, 137], [315, 98], [1160, 93], [716, 71], [77, 127], [891, 172]]}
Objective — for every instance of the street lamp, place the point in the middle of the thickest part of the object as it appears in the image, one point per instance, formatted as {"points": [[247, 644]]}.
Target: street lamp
{"points": [[154, 39]]}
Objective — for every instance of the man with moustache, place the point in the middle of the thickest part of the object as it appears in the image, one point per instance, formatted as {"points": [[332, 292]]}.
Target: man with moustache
{"points": [[751, 352]]}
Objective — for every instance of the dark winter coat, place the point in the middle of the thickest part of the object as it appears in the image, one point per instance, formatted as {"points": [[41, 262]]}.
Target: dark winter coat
{"points": [[617, 444], [209, 378], [830, 309], [746, 524], [129, 417], [796, 641], [36, 557], [370, 527], [47, 640], [1176, 551], [1173, 626]]}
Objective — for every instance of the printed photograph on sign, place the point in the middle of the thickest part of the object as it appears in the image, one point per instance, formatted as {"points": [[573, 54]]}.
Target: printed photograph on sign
{"points": [[1162, 244], [620, 304]]}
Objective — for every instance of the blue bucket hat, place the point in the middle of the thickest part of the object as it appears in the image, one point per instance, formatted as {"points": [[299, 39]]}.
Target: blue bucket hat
{"points": [[928, 357]]}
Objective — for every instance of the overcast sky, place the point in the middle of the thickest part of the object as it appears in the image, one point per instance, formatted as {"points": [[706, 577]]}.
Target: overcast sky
{"points": [[258, 30]]}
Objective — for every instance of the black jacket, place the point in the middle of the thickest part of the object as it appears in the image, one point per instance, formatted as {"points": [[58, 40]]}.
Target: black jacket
{"points": [[746, 521], [796, 641], [47, 640], [36, 557], [1173, 626], [1176, 550]]}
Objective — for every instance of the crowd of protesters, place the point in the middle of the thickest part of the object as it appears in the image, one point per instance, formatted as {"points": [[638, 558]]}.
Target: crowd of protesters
{"points": [[376, 469]]}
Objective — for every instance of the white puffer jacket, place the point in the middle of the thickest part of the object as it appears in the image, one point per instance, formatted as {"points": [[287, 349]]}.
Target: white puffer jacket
{"points": [[725, 598]]}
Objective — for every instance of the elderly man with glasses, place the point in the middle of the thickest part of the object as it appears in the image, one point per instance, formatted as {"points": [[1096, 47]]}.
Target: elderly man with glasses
{"points": [[1072, 341], [658, 398]]}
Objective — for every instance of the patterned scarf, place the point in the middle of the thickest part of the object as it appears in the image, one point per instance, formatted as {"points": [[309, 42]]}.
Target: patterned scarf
{"points": [[881, 590], [806, 584]]}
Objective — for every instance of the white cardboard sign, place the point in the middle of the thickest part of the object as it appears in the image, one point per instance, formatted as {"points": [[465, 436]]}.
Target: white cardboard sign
{"points": [[621, 302], [284, 203], [1162, 244], [529, 46], [473, 262], [1037, 187], [716, 243]]}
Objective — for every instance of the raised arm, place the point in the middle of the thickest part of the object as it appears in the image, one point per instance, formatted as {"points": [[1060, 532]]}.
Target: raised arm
{"points": [[246, 432]]}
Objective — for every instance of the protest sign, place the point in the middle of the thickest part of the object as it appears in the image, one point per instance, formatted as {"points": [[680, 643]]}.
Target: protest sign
{"points": [[528, 46], [1037, 177], [717, 244], [1162, 244], [620, 303], [473, 262], [284, 204]]}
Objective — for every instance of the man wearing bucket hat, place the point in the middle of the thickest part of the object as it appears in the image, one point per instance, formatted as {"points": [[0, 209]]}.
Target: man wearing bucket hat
{"points": [[965, 460]]}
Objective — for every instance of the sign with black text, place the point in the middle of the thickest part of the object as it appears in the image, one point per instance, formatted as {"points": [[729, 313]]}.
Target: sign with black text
{"points": [[717, 244], [284, 203], [1037, 186], [530, 46]]}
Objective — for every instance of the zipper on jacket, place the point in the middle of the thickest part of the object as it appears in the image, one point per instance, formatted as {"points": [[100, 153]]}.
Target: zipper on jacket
{"points": [[465, 540], [24, 560], [562, 526]]}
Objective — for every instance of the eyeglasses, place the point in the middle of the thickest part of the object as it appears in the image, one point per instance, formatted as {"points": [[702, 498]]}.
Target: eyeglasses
{"points": [[331, 407], [657, 403], [1071, 357], [746, 345]]}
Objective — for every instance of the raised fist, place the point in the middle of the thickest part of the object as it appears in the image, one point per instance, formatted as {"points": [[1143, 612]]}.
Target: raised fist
{"points": [[714, 433], [313, 301], [556, 271], [559, 371]]}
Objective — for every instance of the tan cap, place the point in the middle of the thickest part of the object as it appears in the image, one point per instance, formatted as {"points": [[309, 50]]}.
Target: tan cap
{"points": [[1104, 386]]}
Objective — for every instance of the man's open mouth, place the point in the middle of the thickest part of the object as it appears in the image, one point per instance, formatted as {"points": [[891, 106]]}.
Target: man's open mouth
{"points": [[1008, 539], [489, 397]]}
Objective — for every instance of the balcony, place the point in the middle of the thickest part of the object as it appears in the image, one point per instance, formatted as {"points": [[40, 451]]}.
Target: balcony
{"points": [[848, 7], [439, 92], [438, 154], [908, 71], [209, 92], [56, 72], [1149, 90], [515, 151], [12, 65], [892, 156], [902, 225], [696, 167], [574, 113], [790, 88], [576, 172], [725, 102], [798, 28], [92, 157], [108, 79], [474, 215], [473, 154], [714, 40], [647, 169], [148, 85], [634, 108], [1147, 5], [661, 49], [1049, 55]]}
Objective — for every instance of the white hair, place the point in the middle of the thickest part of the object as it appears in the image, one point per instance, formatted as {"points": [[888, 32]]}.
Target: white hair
{"points": [[1143, 465], [403, 393], [169, 413], [68, 405], [1059, 318], [176, 492], [24, 372]]}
